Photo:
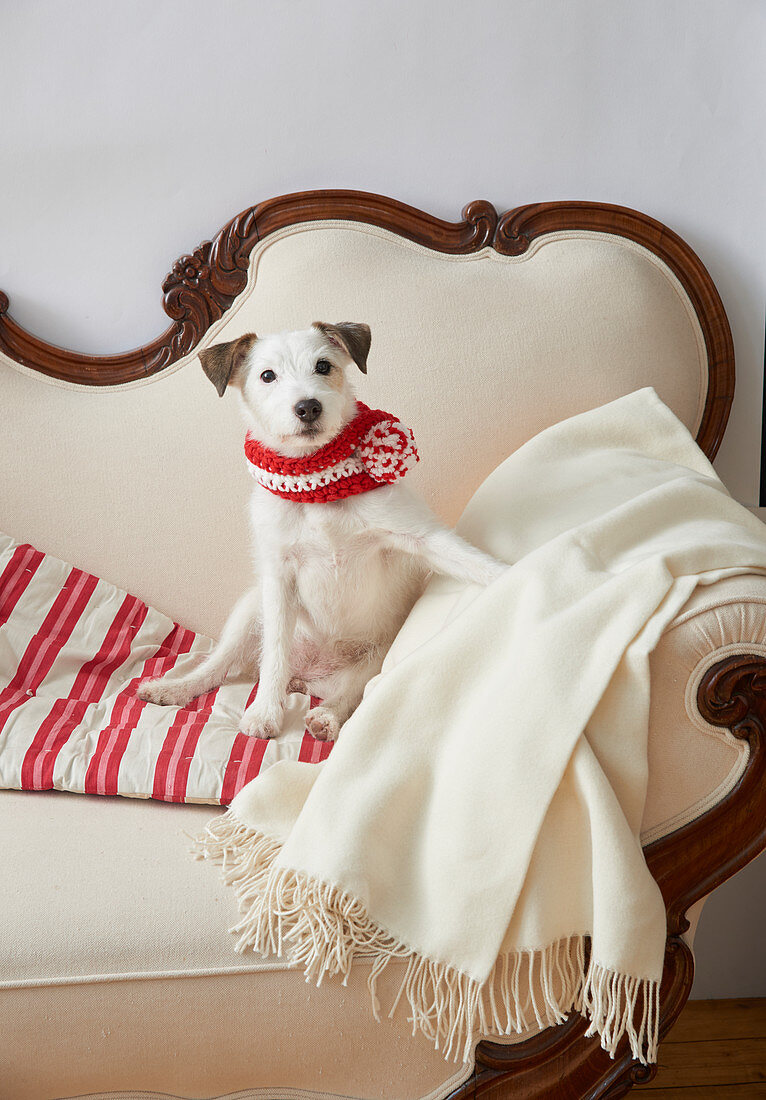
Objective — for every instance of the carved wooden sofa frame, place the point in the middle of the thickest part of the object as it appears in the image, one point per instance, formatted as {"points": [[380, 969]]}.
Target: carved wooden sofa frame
{"points": [[689, 862]]}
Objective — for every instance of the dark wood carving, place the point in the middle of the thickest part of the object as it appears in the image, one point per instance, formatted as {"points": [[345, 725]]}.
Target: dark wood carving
{"points": [[203, 284], [687, 864]]}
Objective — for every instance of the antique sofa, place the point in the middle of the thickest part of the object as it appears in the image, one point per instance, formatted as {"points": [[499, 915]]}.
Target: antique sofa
{"points": [[118, 977]]}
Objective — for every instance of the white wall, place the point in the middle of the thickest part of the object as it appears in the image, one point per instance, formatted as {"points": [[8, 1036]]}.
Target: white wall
{"points": [[133, 130]]}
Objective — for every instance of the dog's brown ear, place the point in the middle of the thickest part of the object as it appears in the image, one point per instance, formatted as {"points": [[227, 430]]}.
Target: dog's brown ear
{"points": [[222, 362], [354, 339]]}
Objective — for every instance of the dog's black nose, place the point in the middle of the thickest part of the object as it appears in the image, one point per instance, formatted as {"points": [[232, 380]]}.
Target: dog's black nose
{"points": [[308, 410]]}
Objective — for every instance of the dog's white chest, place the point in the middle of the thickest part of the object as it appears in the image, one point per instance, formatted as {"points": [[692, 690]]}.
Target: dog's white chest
{"points": [[335, 560], [301, 532], [338, 561]]}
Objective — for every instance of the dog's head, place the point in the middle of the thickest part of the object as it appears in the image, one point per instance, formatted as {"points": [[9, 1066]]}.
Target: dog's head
{"points": [[294, 386]]}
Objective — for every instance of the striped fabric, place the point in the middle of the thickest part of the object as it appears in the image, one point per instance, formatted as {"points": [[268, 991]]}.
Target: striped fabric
{"points": [[72, 650]]}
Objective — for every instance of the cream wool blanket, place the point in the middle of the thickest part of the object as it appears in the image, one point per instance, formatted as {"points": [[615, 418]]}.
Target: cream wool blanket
{"points": [[480, 813]]}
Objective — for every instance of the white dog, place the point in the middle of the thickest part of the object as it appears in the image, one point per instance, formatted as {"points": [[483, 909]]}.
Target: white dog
{"points": [[342, 548]]}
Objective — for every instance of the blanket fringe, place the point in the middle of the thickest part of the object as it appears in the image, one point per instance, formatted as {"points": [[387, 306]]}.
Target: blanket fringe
{"points": [[323, 928]]}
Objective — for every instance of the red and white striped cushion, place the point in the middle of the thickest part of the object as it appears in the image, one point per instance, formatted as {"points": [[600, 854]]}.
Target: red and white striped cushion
{"points": [[72, 650]]}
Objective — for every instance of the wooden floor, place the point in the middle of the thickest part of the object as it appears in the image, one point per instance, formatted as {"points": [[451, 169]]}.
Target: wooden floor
{"points": [[716, 1049]]}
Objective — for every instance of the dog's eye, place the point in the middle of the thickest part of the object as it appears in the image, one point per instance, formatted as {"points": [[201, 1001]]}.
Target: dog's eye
{"points": [[268, 376], [324, 366]]}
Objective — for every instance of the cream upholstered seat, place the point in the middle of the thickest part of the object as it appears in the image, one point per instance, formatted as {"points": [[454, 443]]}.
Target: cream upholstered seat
{"points": [[118, 975], [116, 960]]}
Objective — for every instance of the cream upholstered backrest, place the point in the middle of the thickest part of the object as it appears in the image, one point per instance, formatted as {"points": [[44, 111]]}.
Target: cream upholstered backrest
{"points": [[145, 484]]}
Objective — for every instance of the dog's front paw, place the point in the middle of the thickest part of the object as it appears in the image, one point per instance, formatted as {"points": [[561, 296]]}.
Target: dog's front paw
{"points": [[323, 724], [261, 722], [165, 693], [491, 571]]}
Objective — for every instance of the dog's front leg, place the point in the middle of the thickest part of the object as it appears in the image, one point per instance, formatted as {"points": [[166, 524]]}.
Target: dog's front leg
{"points": [[442, 551], [346, 687], [239, 647], [264, 717]]}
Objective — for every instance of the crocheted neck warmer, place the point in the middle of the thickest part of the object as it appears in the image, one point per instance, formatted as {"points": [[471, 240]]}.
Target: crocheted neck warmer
{"points": [[373, 449]]}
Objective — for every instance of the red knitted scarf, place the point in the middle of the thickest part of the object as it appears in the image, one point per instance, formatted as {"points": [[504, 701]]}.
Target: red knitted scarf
{"points": [[373, 449]]}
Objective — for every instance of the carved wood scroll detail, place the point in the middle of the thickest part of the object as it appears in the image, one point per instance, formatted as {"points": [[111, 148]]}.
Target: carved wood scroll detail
{"points": [[203, 284], [200, 287]]}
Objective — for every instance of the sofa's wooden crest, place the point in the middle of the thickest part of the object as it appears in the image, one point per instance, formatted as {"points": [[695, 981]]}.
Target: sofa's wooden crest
{"points": [[688, 863], [202, 285]]}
